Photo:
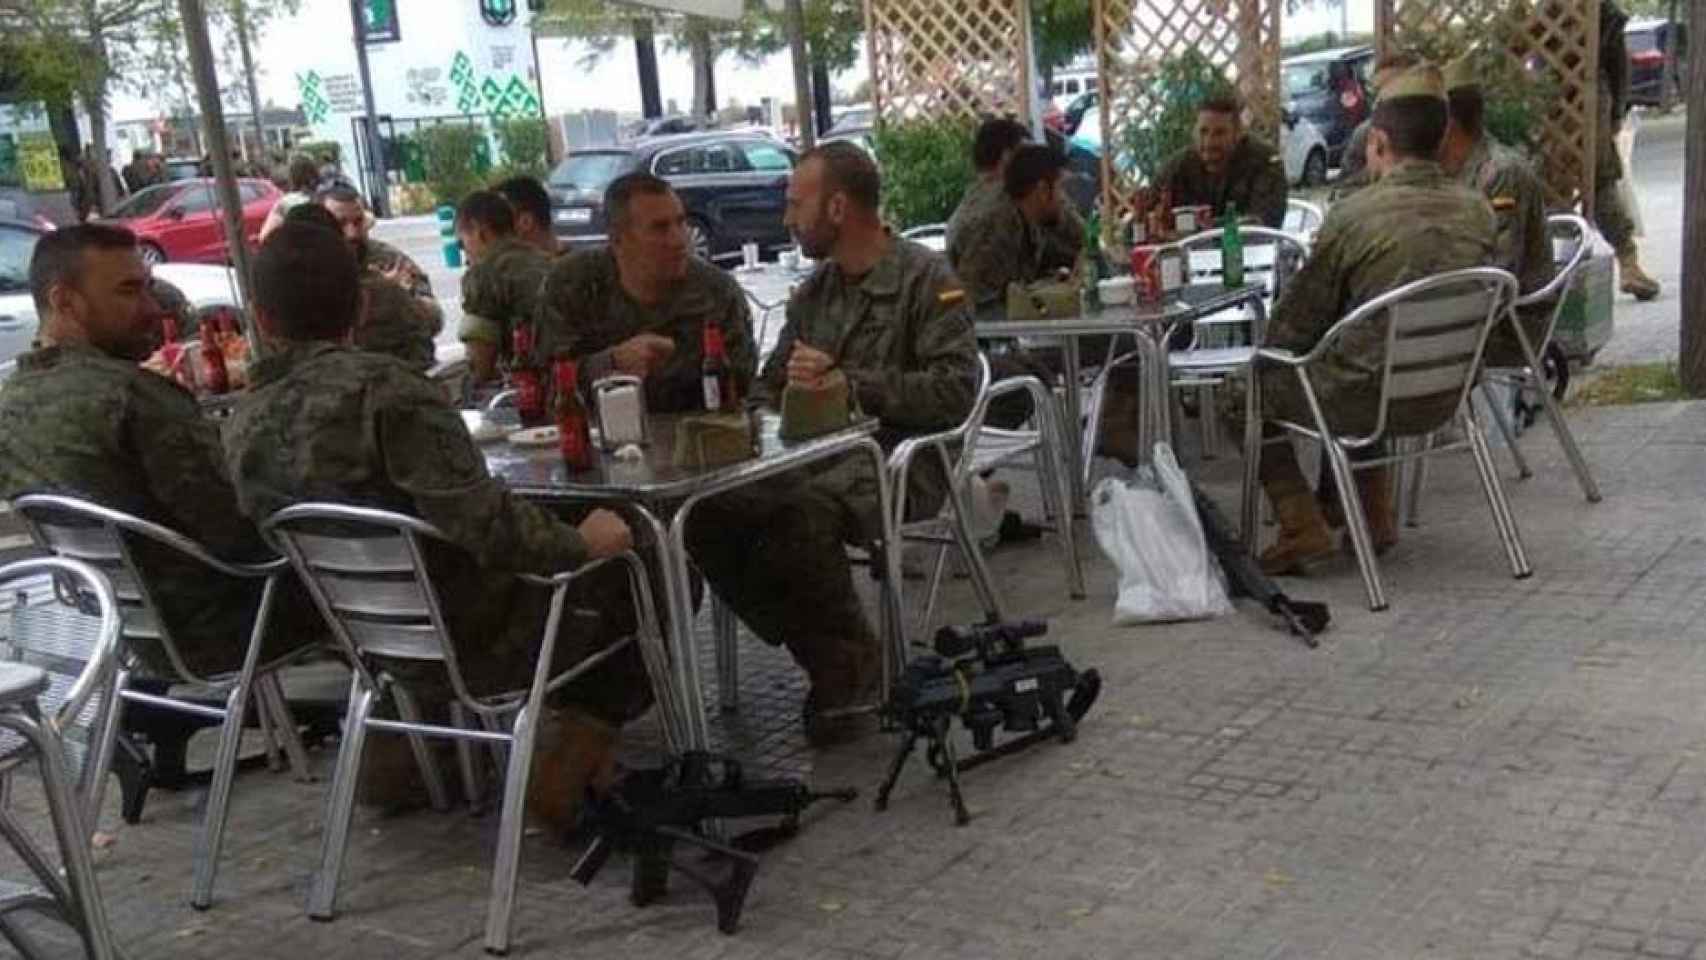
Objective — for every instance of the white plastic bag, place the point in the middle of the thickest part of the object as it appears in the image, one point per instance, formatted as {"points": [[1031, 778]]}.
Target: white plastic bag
{"points": [[1150, 530]]}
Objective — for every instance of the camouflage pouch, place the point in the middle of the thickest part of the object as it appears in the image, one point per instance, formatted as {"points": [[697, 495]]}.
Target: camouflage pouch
{"points": [[712, 440], [810, 412], [1046, 300]]}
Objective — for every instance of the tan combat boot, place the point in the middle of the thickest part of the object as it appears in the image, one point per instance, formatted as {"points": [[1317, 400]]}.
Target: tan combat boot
{"points": [[1374, 488], [584, 757], [1635, 281], [1303, 534]]}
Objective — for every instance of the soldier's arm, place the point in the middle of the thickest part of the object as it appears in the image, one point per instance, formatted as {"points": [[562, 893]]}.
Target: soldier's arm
{"points": [[736, 324], [1520, 208], [481, 331], [937, 393], [569, 316], [1268, 193], [430, 456], [183, 467], [1312, 299]]}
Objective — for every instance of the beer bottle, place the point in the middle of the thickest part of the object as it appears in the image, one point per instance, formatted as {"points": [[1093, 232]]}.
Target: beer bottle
{"points": [[524, 378], [1231, 248], [210, 375], [716, 375], [574, 434]]}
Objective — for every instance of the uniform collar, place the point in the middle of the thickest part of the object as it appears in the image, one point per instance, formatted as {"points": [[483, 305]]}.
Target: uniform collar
{"points": [[46, 358], [1412, 171], [885, 276], [287, 356]]}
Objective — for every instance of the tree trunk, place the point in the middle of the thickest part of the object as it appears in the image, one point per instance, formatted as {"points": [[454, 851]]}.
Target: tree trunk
{"points": [[646, 57], [1692, 349], [822, 95], [95, 102], [240, 16], [704, 72]]}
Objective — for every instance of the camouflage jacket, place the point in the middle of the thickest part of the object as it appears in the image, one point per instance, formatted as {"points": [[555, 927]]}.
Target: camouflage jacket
{"points": [[500, 291], [997, 246], [1519, 207], [584, 312], [1412, 223], [1254, 182], [902, 334], [76, 421], [1060, 244], [323, 422], [402, 318]]}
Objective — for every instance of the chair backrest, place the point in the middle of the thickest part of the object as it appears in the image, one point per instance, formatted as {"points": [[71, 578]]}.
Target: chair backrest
{"points": [[366, 570], [1302, 218], [1435, 329], [64, 619], [1571, 232], [957, 461], [1202, 251], [81, 530]]}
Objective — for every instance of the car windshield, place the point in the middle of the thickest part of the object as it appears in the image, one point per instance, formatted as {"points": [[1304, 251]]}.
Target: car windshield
{"points": [[1304, 79], [590, 171], [16, 246], [145, 202]]}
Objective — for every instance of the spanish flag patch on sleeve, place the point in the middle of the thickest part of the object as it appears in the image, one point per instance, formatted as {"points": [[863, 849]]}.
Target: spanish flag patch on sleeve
{"points": [[948, 298], [1502, 204]]}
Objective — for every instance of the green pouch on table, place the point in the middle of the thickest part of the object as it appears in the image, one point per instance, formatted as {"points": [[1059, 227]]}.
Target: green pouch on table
{"points": [[1044, 300], [712, 440], [811, 412]]}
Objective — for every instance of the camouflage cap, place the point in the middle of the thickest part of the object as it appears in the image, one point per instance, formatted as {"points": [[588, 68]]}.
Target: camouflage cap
{"points": [[1462, 73], [1420, 81]]}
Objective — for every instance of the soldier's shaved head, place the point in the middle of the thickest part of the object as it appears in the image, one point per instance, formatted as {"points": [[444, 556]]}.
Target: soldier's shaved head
{"points": [[289, 309], [90, 286]]}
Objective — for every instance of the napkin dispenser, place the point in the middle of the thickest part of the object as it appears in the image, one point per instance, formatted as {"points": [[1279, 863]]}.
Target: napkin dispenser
{"points": [[1046, 300], [620, 402], [712, 440], [813, 411]]}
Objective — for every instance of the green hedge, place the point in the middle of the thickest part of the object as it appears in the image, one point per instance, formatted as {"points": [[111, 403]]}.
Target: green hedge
{"points": [[524, 142], [926, 170], [319, 148], [455, 157]]}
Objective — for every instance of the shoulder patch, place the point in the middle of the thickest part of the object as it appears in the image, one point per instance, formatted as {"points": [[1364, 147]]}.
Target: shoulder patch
{"points": [[1502, 204], [951, 296]]}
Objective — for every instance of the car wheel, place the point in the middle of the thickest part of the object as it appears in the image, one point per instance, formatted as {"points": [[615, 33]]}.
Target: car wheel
{"points": [[1315, 168], [699, 237], [152, 255]]}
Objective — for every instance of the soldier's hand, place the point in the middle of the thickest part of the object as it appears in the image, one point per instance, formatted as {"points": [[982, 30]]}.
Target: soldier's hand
{"points": [[639, 356], [807, 365], [606, 534]]}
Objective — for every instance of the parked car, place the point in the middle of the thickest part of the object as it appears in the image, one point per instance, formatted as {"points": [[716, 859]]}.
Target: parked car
{"points": [[46, 210], [862, 137], [1302, 144], [1330, 89], [1649, 53], [734, 186], [206, 287], [180, 221], [181, 168], [852, 117]]}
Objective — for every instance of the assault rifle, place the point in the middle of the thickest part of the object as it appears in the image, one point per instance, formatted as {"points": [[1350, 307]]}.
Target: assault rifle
{"points": [[652, 810], [985, 675], [1302, 618]]}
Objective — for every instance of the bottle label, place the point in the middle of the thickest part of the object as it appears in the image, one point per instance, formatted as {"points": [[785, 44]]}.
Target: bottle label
{"points": [[713, 392]]}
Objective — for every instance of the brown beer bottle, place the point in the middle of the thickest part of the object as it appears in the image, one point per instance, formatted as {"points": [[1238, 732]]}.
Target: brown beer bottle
{"points": [[574, 433]]}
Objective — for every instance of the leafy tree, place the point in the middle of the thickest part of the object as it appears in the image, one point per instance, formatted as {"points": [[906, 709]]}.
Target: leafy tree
{"points": [[1061, 30]]}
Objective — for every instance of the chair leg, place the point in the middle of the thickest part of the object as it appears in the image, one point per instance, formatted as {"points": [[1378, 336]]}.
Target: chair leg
{"points": [[269, 737], [981, 579], [1356, 523], [932, 589], [1055, 499], [1495, 491], [1567, 440], [1210, 423], [410, 712], [1418, 481], [1252, 500], [471, 786], [285, 728], [726, 629], [340, 803], [507, 865], [1507, 430], [99, 764], [500, 751], [211, 836]]}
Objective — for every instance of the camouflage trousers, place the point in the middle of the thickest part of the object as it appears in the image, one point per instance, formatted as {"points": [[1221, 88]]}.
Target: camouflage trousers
{"points": [[1609, 214], [776, 553]]}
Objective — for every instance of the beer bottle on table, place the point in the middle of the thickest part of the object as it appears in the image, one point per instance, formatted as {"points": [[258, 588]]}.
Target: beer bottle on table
{"points": [[716, 374], [574, 433], [210, 376], [1231, 248], [524, 378]]}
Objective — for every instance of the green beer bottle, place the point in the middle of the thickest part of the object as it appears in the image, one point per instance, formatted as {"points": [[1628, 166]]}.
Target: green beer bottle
{"points": [[1231, 248]]}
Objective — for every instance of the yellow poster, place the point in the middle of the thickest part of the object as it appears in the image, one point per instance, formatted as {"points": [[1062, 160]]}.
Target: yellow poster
{"points": [[40, 162]]}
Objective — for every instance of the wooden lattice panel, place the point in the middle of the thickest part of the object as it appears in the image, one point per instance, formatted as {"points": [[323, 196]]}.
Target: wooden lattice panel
{"points": [[1556, 40], [1135, 38], [946, 60]]}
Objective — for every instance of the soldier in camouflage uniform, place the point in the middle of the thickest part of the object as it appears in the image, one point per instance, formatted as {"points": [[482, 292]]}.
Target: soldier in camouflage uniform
{"points": [[1518, 200], [890, 316], [1353, 164], [326, 422], [1608, 212], [402, 317], [1227, 168], [532, 205], [641, 307], [1412, 223], [80, 417], [172, 302], [501, 286], [992, 150]]}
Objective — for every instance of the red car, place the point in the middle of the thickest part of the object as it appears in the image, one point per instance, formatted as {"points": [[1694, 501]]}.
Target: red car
{"points": [[180, 221]]}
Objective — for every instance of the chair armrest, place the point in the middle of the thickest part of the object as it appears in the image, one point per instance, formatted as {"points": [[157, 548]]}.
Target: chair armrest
{"points": [[567, 577], [1284, 357]]}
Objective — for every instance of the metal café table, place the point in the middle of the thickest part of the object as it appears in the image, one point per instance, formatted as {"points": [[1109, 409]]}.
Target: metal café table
{"points": [[1149, 325], [663, 496]]}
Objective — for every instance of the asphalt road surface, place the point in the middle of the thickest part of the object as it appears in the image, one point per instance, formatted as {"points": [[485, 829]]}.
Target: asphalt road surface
{"points": [[1648, 331]]}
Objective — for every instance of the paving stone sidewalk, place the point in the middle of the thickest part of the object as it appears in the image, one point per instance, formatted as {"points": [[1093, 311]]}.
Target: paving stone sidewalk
{"points": [[1491, 769]]}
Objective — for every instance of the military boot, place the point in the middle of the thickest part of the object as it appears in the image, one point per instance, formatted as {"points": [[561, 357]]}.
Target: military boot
{"points": [[389, 780], [1374, 489], [1303, 534], [844, 678], [582, 759], [1635, 281]]}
